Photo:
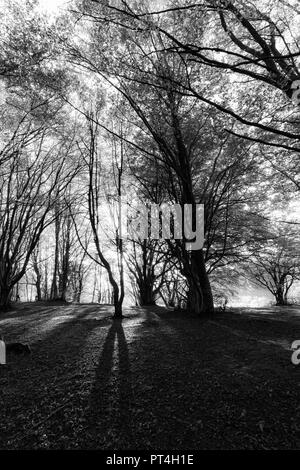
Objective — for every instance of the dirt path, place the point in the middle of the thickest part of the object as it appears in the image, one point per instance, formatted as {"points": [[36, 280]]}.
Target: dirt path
{"points": [[156, 380]]}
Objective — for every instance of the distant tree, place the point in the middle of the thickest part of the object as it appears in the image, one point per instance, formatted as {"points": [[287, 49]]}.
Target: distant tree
{"points": [[277, 266], [174, 291], [78, 274], [62, 251], [36, 265], [32, 179], [148, 265]]}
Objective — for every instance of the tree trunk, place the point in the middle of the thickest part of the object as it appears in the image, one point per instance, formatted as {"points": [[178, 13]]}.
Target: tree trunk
{"points": [[280, 298], [146, 294], [5, 292], [45, 294], [64, 278], [38, 281], [118, 310], [38, 289], [54, 286], [79, 290], [200, 299]]}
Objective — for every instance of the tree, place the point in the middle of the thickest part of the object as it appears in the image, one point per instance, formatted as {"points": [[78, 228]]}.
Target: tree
{"points": [[251, 42], [33, 177], [148, 265], [91, 157], [277, 266], [30, 47], [38, 275]]}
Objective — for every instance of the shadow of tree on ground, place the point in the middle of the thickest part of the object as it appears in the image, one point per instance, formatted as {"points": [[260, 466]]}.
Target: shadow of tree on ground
{"points": [[110, 405]]}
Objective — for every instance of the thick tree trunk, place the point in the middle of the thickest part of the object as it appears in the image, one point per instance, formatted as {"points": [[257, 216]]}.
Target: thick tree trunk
{"points": [[118, 310], [281, 299], [146, 295], [200, 298], [5, 292], [117, 300]]}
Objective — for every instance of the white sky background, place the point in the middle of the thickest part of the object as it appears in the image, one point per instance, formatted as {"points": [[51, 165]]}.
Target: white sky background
{"points": [[53, 6], [50, 6]]}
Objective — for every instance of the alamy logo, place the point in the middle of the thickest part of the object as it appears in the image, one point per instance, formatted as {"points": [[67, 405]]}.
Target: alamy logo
{"points": [[160, 222], [296, 352], [2, 352]]}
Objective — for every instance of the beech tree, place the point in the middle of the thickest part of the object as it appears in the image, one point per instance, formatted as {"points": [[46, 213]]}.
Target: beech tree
{"points": [[160, 87], [252, 42]]}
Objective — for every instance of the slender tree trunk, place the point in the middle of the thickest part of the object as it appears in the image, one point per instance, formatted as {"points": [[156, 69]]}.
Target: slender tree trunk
{"points": [[94, 286], [54, 286], [45, 285], [38, 281], [66, 262], [17, 291], [79, 290], [38, 288]]}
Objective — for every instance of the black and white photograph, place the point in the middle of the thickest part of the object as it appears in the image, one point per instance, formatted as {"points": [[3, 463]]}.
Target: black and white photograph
{"points": [[149, 228]]}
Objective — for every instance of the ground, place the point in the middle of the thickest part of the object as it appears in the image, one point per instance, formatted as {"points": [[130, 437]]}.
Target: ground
{"points": [[157, 380]]}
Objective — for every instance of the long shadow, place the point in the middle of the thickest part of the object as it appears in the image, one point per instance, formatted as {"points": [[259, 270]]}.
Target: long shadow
{"points": [[55, 359], [111, 398]]}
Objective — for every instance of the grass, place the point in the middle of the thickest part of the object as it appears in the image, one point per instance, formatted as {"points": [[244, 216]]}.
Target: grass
{"points": [[157, 380]]}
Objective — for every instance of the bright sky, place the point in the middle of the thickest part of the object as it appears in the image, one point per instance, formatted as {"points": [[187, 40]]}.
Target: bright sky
{"points": [[51, 6]]}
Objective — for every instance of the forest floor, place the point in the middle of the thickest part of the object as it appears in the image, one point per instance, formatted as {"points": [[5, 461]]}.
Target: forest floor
{"points": [[157, 380]]}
